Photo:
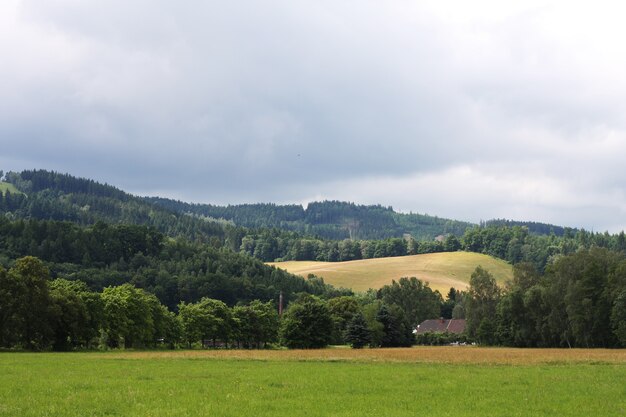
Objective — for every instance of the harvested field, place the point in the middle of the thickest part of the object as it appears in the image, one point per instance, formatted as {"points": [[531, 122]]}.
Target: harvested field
{"points": [[441, 270]]}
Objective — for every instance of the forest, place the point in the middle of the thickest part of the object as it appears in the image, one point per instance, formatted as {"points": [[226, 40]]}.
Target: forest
{"points": [[82, 252], [580, 301], [334, 220], [41, 313]]}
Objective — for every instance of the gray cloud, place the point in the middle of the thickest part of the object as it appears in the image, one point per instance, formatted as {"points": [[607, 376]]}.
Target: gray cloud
{"points": [[474, 112]]}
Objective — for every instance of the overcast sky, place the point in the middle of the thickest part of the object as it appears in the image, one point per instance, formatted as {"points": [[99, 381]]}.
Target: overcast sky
{"points": [[468, 110]]}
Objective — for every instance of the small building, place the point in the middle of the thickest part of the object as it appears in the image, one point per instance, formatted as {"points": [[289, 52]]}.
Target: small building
{"points": [[454, 326]]}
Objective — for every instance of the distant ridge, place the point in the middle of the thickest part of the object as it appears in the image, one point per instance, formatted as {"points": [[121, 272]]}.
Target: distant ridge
{"points": [[326, 219], [324, 231], [345, 220]]}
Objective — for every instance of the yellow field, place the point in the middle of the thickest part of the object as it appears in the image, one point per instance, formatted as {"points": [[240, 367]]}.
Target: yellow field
{"points": [[441, 270], [419, 354]]}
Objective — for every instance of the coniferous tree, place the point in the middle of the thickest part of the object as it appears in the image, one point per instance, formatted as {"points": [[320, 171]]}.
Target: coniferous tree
{"points": [[358, 334]]}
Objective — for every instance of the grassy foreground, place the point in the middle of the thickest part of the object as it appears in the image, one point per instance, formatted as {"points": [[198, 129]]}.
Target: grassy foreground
{"points": [[314, 383], [441, 270]]}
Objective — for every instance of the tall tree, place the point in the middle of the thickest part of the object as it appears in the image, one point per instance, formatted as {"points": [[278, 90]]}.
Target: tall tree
{"points": [[256, 324], [342, 310], [70, 316], [306, 324], [418, 301], [198, 323], [9, 320], [128, 315], [397, 331], [357, 333], [31, 302], [483, 296]]}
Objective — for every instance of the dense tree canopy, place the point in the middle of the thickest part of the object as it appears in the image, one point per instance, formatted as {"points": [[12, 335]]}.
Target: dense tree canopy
{"points": [[416, 299], [105, 255], [307, 324], [481, 305], [578, 302]]}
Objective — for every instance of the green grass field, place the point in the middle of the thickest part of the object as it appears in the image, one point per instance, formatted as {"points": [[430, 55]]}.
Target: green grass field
{"points": [[441, 270], [5, 186], [194, 384]]}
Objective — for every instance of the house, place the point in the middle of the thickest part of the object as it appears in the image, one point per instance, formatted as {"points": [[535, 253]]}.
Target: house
{"points": [[454, 326]]}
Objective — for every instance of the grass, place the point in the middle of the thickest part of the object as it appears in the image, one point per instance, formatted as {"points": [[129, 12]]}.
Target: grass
{"points": [[5, 186], [201, 384], [441, 270]]}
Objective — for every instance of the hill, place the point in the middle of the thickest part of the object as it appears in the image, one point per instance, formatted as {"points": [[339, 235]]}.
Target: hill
{"points": [[46, 195], [104, 236], [441, 270], [326, 219], [272, 232], [344, 220]]}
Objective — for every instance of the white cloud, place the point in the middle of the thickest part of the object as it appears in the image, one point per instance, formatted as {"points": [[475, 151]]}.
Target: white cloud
{"points": [[494, 109], [475, 193]]}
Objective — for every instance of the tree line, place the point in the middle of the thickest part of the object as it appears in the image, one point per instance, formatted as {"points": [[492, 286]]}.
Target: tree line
{"points": [[39, 313], [277, 245], [580, 301], [514, 244], [174, 270], [328, 220]]}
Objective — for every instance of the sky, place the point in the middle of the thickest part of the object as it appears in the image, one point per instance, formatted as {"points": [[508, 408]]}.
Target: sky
{"points": [[465, 110]]}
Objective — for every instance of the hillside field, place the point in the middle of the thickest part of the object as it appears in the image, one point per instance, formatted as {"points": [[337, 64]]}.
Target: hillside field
{"points": [[5, 186], [441, 270], [338, 382]]}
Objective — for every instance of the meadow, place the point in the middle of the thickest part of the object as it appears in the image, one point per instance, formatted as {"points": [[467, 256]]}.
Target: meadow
{"points": [[441, 381], [441, 270], [5, 186]]}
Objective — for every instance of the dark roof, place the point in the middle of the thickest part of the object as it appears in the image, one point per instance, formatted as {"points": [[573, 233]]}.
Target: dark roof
{"points": [[455, 326]]}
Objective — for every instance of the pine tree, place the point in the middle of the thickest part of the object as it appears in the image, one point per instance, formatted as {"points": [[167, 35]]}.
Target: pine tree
{"points": [[357, 332]]}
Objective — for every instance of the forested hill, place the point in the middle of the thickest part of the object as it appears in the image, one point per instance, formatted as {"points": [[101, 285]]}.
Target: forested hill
{"points": [[327, 219], [102, 236], [46, 195], [324, 231], [49, 195]]}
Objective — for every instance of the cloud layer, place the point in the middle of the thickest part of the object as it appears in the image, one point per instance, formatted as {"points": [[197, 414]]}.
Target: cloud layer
{"points": [[470, 111]]}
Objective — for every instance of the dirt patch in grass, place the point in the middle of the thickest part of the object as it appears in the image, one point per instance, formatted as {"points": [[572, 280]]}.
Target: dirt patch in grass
{"points": [[438, 354]]}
